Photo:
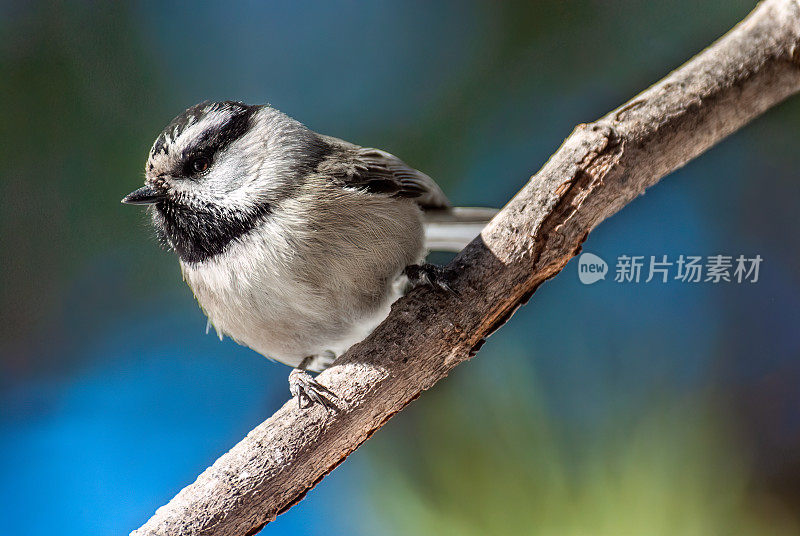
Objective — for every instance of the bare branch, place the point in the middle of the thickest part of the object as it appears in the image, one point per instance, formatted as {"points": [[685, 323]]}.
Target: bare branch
{"points": [[600, 168]]}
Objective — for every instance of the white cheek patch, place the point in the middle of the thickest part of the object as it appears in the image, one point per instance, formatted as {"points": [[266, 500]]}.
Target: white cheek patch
{"points": [[237, 177]]}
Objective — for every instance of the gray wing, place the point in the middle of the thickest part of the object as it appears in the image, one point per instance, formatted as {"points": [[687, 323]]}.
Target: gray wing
{"points": [[379, 172]]}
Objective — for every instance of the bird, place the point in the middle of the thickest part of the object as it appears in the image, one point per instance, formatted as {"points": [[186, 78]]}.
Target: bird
{"points": [[295, 244]]}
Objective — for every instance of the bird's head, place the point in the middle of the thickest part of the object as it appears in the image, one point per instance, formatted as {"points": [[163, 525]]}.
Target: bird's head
{"points": [[218, 169]]}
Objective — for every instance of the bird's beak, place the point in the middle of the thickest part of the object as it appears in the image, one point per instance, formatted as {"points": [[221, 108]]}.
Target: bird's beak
{"points": [[143, 196]]}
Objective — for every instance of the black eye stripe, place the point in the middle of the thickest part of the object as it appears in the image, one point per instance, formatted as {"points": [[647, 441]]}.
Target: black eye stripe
{"points": [[222, 135], [217, 138], [213, 139]]}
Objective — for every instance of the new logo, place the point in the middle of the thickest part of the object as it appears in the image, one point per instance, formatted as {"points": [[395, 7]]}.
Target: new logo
{"points": [[591, 268]]}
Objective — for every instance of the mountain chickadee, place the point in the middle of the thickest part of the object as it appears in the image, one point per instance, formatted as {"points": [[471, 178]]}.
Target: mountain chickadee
{"points": [[294, 243]]}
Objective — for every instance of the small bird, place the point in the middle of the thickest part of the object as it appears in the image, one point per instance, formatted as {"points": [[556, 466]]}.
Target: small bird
{"points": [[295, 244]]}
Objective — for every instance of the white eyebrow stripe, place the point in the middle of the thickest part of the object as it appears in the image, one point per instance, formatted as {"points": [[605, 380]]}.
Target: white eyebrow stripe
{"points": [[194, 129]]}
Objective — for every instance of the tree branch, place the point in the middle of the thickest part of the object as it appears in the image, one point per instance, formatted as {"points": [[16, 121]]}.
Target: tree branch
{"points": [[600, 168]]}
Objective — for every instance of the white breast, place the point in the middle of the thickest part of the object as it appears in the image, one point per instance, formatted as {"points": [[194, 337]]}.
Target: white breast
{"points": [[310, 284]]}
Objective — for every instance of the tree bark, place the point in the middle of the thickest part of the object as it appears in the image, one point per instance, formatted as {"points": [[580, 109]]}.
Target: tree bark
{"points": [[600, 168]]}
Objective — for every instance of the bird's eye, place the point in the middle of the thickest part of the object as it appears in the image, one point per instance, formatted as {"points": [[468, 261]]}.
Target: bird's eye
{"points": [[200, 164]]}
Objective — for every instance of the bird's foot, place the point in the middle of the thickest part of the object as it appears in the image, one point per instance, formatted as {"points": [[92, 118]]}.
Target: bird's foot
{"points": [[309, 391], [430, 274]]}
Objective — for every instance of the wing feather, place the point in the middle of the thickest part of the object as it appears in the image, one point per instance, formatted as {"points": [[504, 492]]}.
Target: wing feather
{"points": [[381, 173]]}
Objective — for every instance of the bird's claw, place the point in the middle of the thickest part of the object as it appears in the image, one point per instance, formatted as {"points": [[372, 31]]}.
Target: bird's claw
{"points": [[309, 391], [430, 274]]}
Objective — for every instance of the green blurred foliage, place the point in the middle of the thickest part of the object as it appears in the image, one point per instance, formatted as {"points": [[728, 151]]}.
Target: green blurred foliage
{"points": [[492, 460]]}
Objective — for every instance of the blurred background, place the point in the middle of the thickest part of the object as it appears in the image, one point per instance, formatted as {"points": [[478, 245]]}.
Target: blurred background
{"points": [[631, 409]]}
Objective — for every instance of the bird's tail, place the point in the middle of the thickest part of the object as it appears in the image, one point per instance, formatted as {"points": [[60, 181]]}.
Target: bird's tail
{"points": [[453, 228]]}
